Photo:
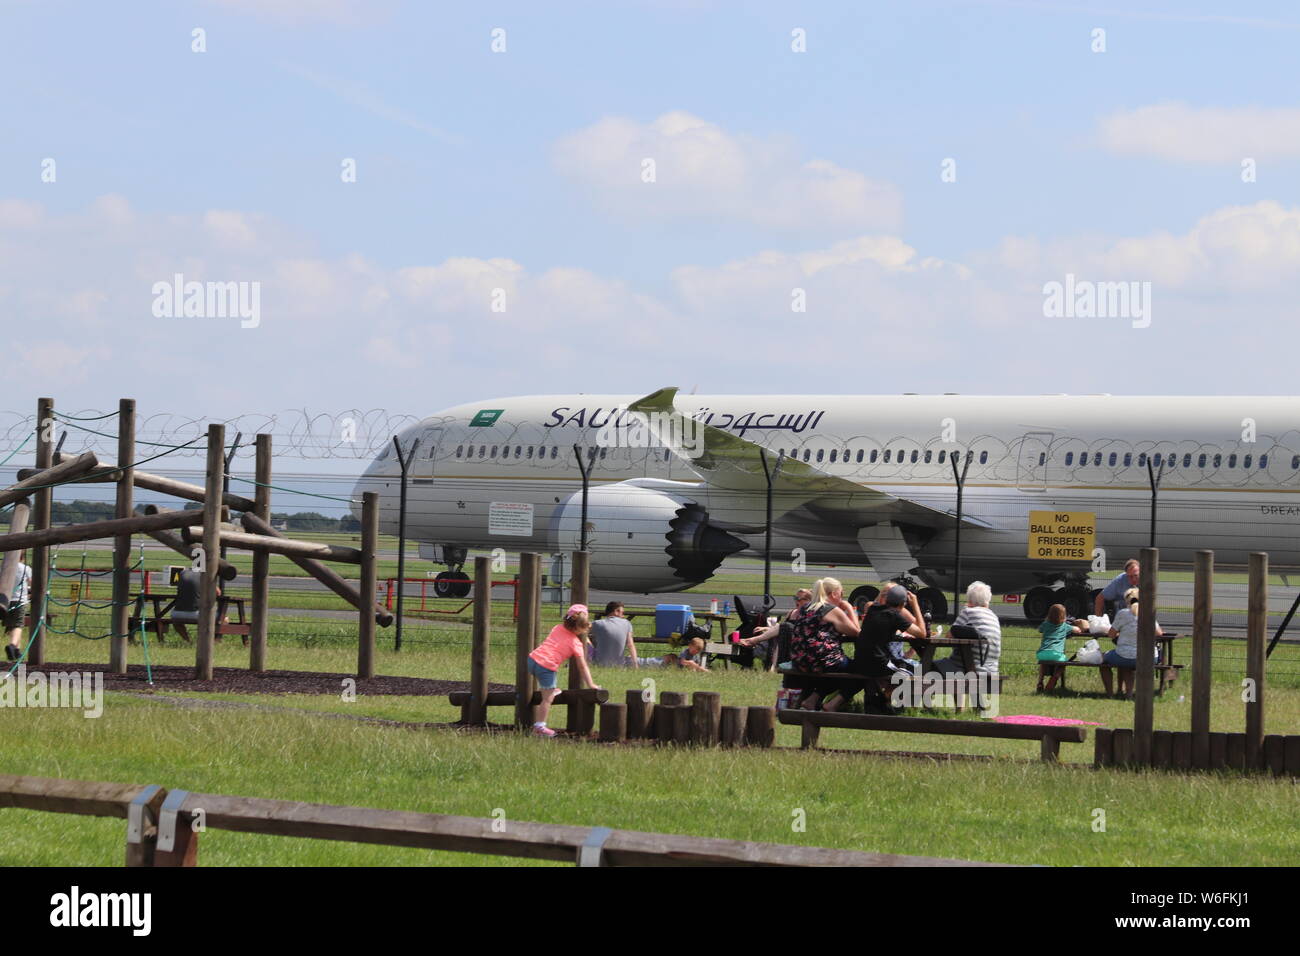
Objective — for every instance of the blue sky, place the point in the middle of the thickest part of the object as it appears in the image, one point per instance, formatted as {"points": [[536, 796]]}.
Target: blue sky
{"points": [[519, 170]]}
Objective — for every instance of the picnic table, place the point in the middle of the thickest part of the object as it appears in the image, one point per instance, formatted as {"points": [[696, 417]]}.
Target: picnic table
{"points": [[160, 619], [722, 649]]}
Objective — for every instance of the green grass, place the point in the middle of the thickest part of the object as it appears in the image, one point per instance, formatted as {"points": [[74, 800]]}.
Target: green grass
{"points": [[1010, 810]]}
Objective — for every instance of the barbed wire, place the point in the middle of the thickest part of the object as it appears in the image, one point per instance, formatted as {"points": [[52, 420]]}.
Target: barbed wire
{"points": [[352, 434]]}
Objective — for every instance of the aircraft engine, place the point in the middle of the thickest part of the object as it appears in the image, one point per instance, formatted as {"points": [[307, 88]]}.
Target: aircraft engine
{"points": [[642, 539]]}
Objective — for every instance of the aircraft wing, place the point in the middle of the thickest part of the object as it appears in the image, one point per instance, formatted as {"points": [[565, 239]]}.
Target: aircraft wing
{"points": [[726, 461]]}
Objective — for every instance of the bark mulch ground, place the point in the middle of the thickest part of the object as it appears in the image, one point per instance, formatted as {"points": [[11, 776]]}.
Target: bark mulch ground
{"points": [[234, 680]]}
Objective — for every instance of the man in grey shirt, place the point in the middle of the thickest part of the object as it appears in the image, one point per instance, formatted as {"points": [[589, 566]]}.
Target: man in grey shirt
{"points": [[611, 638]]}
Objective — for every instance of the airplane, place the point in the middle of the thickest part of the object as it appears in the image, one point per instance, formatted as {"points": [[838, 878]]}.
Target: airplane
{"points": [[1055, 487]]}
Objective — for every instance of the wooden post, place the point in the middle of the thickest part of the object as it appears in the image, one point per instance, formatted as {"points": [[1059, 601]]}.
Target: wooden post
{"points": [[1122, 745], [681, 724], [261, 559], [1275, 754], [664, 723], [214, 477], [731, 726], [1050, 749], [1291, 754], [613, 722], [528, 597], [640, 715], [121, 611], [706, 715], [369, 586], [761, 726], [1218, 751], [1103, 754], [1162, 749], [1144, 679], [1182, 752], [481, 634], [576, 716], [40, 562], [671, 698], [1256, 624], [1202, 652]]}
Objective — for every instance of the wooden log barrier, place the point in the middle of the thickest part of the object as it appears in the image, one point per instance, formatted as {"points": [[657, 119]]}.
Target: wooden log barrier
{"points": [[481, 631], [760, 726], [41, 477], [706, 715], [613, 722], [731, 726], [528, 597], [1256, 640], [1202, 650], [261, 596], [640, 715]]}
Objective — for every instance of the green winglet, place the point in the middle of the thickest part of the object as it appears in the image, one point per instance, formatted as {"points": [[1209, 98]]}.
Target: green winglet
{"points": [[660, 401]]}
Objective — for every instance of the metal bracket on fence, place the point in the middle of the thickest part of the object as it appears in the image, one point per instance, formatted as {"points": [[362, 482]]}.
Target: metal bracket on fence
{"points": [[135, 813], [592, 851], [167, 819]]}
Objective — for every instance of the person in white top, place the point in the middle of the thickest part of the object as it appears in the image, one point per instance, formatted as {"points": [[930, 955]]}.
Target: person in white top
{"points": [[977, 615], [17, 610], [1124, 655]]}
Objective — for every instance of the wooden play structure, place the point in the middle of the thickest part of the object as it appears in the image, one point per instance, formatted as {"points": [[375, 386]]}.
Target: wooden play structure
{"points": [[1199, 748], [199, 534]]}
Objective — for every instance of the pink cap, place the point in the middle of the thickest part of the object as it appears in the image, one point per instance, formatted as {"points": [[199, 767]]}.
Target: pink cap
{"points": [[575, 609]]}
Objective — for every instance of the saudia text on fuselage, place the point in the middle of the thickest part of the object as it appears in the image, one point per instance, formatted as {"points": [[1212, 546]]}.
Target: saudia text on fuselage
{"points": [[619, 417]]}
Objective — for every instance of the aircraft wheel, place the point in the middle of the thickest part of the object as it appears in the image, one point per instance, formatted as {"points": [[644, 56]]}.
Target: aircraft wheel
{"points": [[934, 601], [444, 584], [1075, 600], [460, 584], [861, 596], [1036, 603]]}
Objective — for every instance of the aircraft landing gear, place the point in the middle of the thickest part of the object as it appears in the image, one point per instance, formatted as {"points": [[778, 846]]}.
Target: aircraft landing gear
{"points": [[863, 595], [1036, 603], [452, 583], [934, 603]]}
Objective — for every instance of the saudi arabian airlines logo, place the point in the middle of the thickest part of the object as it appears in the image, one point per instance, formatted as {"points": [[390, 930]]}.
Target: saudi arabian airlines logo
{"points": [[486, 417]]}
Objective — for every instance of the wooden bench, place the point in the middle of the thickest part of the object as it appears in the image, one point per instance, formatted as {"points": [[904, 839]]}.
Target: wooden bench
{"points": [[1166, 669], [1050, 737], [159, 621]]}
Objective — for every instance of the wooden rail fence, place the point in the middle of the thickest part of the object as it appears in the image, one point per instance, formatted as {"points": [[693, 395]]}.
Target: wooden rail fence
{"points": [[161, 830]]}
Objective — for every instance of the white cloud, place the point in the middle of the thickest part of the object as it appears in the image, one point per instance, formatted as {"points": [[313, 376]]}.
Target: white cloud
{"points": [[1183, 133], [881, 316], [701, 171]]}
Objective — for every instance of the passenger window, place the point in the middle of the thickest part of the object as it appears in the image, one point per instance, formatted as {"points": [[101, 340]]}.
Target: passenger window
{"points": [[1245, 462], [1187, 461], [1295, 462], [887, 454], [859, 456], [1069, 459], [1218, 460], [1156, 461], [555, 451], [806, 454], [928, 453], [530, 452], [459, 449], [942, 455], [1128, 459], [820, 453], [875, 453], [1200, 460], [602, 453], [1042, 458], [1142, 459], [984, 457], [915, 456], [1263, 461], [482, 451], [1232, 461], [834, 453], [1113, 458]]}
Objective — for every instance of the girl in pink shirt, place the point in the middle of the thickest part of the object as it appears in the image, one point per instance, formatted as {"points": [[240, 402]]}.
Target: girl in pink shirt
{"points": [[565, 640]]}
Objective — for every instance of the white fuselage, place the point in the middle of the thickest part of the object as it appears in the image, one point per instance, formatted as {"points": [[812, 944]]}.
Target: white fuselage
{"points": [[1230, 468]]}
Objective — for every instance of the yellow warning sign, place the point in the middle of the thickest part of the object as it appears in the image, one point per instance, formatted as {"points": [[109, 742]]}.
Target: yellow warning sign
{"points": [[1062, 535]]}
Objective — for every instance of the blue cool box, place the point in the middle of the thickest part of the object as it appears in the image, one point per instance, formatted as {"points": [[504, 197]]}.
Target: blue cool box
{"points": [[671, 619]]}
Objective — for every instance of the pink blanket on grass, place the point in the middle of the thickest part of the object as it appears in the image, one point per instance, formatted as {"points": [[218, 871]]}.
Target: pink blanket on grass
{"points": [[1042, 721]]}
